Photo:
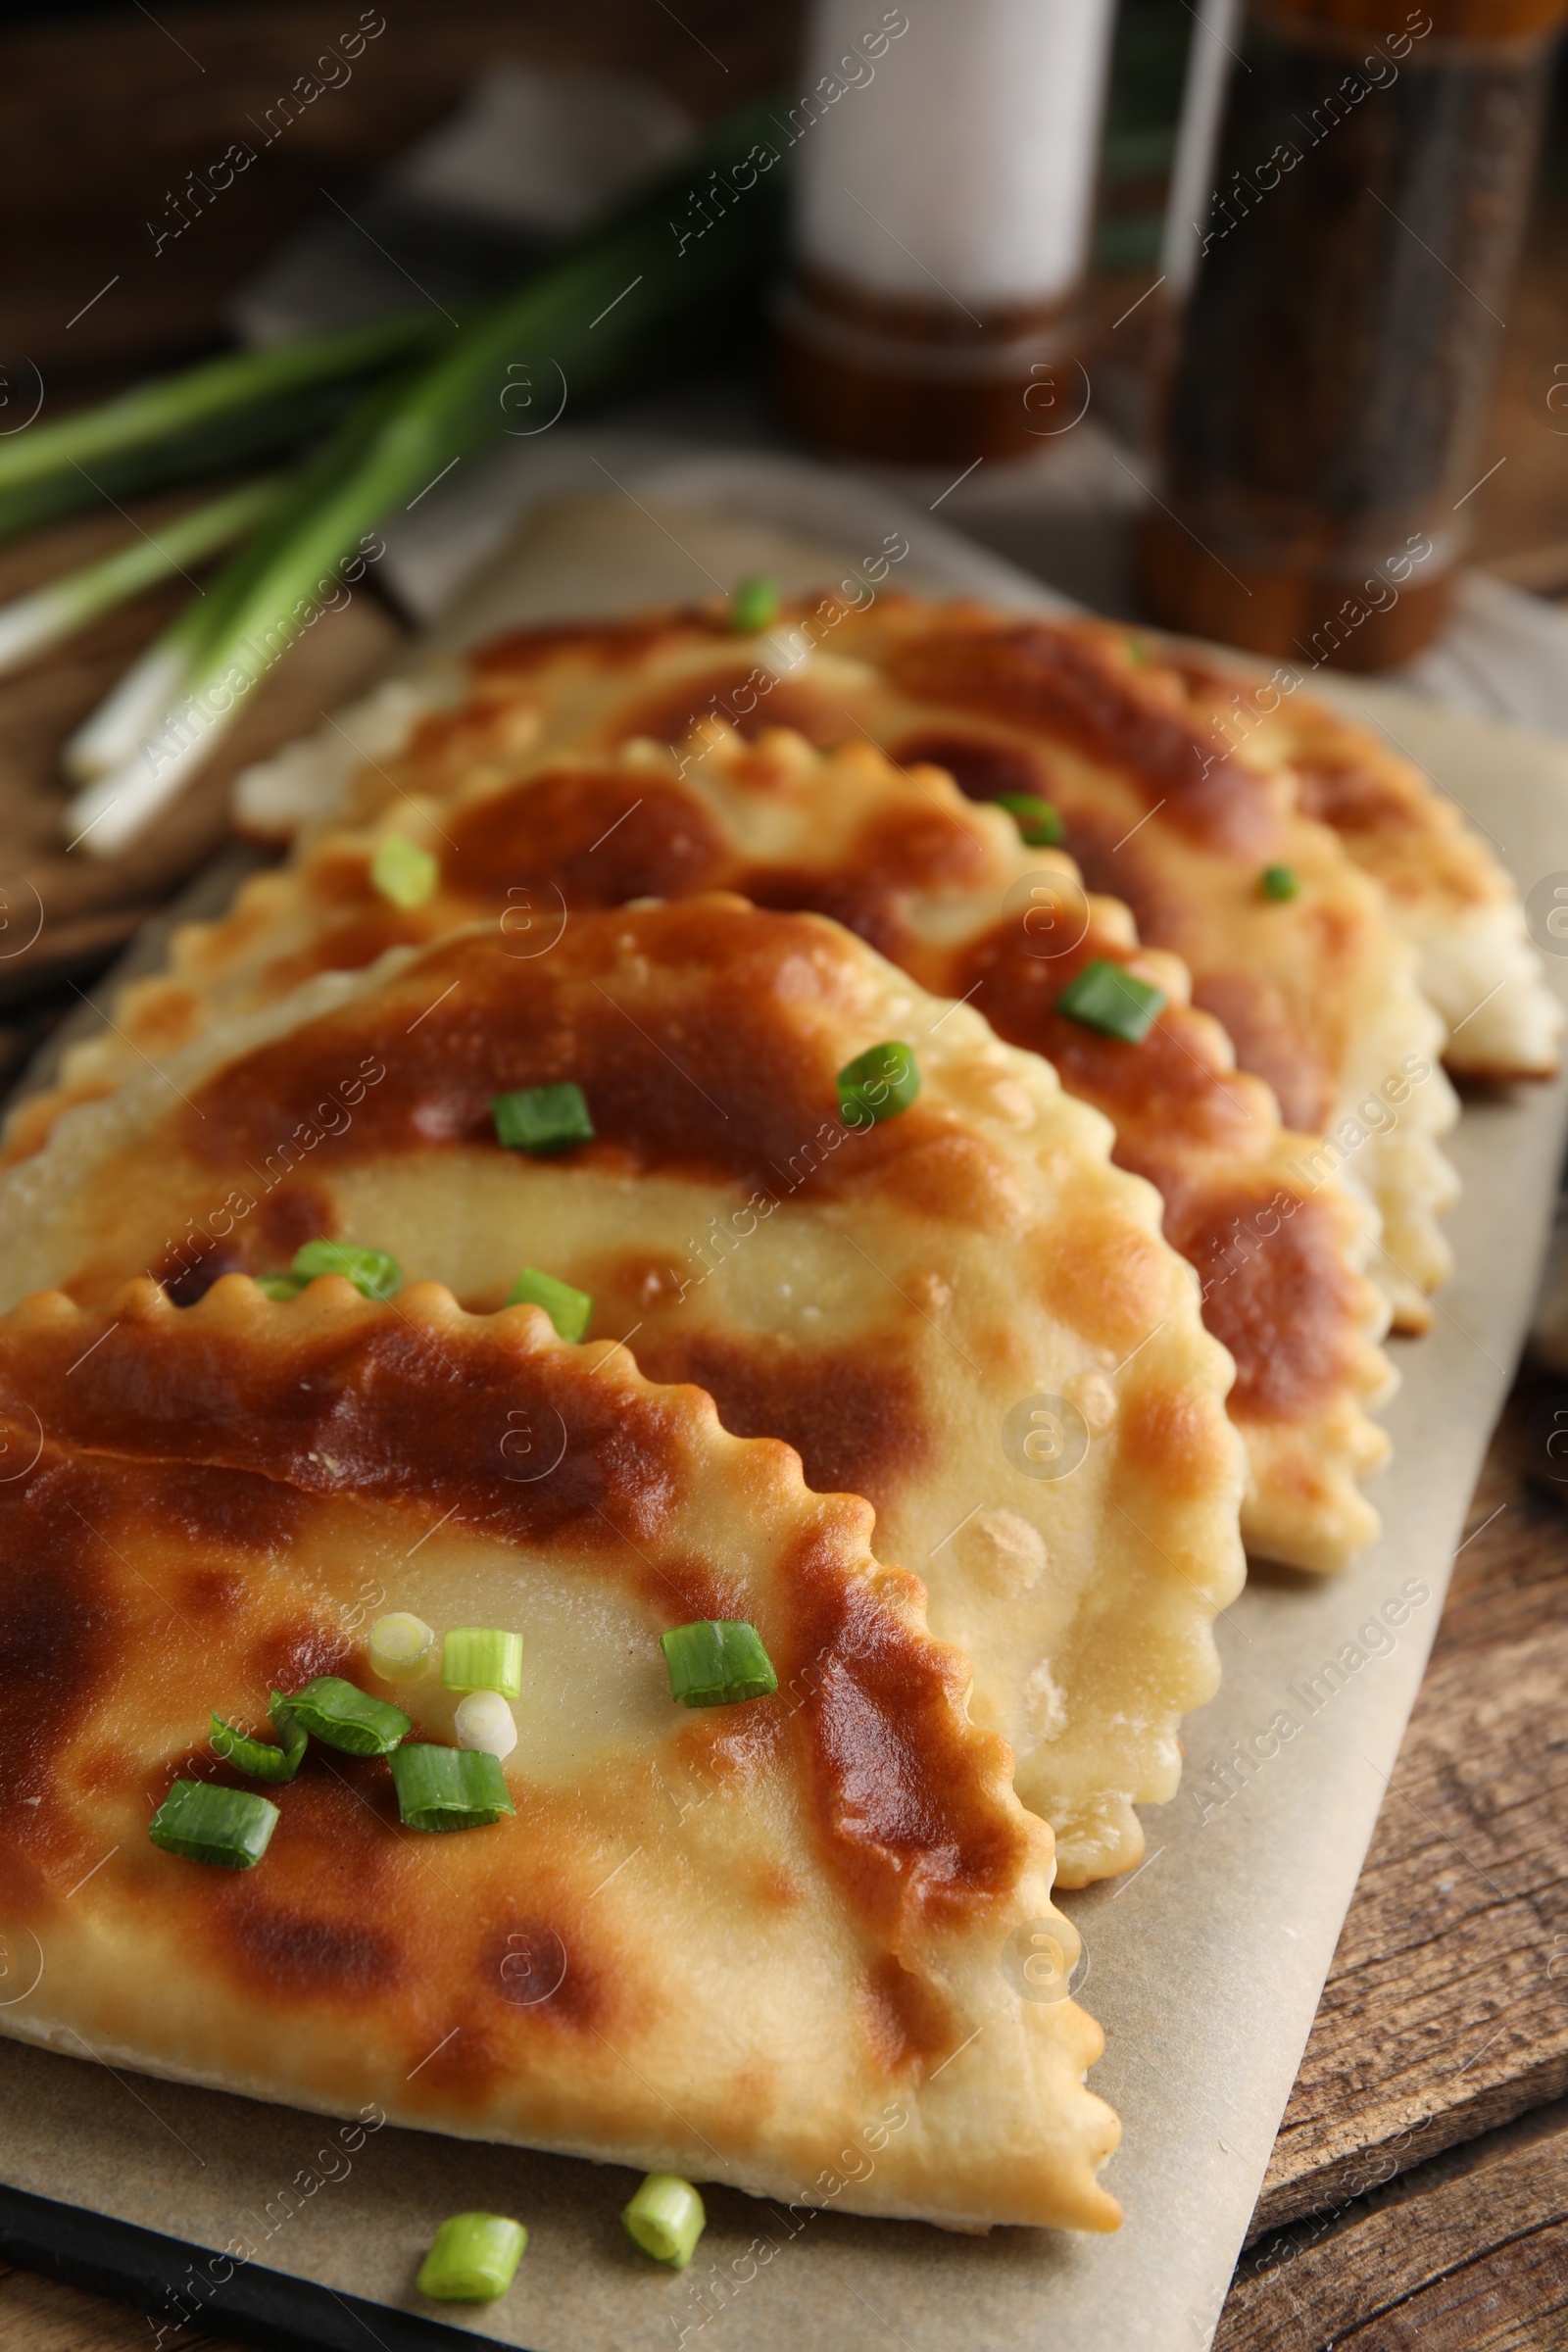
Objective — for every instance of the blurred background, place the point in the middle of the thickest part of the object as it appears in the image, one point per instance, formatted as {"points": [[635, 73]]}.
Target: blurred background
{"points": [[408, 157]]}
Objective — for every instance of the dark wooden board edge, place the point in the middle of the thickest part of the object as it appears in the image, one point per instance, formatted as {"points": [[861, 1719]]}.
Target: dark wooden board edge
{"points": [[256, 2306], [1444, 2014]]}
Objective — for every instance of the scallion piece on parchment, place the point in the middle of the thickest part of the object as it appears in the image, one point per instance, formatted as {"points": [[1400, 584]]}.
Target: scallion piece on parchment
{"points": [[449, 1787], [474, 2258], [665, 2217], [336, 1712], [229, 1826], [717, 1662]]}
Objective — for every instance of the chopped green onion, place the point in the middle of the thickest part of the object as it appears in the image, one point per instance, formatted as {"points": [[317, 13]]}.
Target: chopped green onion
{"points": [[878, 1084], [402, 1647], [754, 604], [1106, 997], [665, 2217], [33, 623], [284, 1722], [449, 1787], [372, 1273], [472, 2258], [717, 1663], [346, 1718], [402, 871], [474, 1658], [542, 1119], [231, 1827], [258, 1757], [1281, 882], [1037, 820], [280, 1286], [483, 1721], [570, 1311]]}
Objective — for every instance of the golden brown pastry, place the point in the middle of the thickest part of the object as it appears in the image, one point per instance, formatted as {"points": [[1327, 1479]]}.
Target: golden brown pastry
{"points": [[948, 889], [964, 1312], [1318, 989], [1447, 891], [732, 1940]]}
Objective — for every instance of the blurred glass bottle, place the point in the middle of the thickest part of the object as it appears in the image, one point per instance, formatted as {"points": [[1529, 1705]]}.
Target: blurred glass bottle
{"points": [[1325, 417], [946, 165]]}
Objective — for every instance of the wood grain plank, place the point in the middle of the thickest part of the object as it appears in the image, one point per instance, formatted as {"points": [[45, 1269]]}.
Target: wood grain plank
{"points": [[1477, 2262], [1512, 2300], [1445, 2010]]}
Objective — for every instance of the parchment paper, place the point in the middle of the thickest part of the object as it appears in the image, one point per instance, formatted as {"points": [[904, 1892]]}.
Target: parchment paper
{"points": [[1204, 1966]]}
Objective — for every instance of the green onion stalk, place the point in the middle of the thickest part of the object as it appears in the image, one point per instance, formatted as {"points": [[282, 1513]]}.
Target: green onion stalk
{"points": [[30, 624], [633, 297], [220, 413], [110, 734], [230, 444], [158, 726]]}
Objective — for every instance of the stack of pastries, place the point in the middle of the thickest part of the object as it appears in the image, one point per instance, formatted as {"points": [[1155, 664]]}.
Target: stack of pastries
{"points": [[969, 1389]]}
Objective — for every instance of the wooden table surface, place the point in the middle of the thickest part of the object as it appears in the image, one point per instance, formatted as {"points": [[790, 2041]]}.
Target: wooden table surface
{"points": [[1418, 2191]]}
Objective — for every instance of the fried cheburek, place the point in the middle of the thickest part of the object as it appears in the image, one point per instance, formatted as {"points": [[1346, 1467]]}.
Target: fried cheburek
{"points": [[724, 1941]]}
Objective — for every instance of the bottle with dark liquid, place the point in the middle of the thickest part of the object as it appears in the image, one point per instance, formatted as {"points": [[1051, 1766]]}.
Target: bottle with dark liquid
{"points": [[1325, 422]]}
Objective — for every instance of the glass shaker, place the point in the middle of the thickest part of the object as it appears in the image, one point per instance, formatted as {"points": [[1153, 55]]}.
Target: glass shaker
{"points": [[1325, 420]]}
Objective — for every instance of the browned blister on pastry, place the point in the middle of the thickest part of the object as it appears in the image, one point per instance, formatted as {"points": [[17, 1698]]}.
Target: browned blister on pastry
{"points": [[965, 1312], [731, 1941]]}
